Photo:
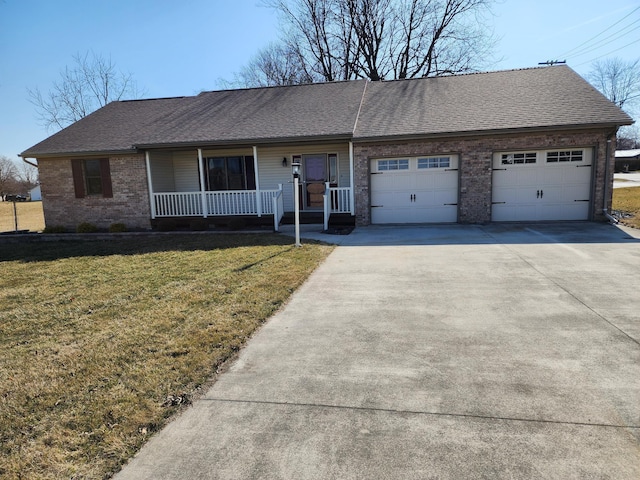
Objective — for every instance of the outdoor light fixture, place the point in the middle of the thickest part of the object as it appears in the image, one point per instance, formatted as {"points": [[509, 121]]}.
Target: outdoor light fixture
{"points": [[295, 169], [284, 162]]}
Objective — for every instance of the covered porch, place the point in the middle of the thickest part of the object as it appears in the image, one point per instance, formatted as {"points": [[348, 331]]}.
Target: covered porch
{"points": [[250, 181]]}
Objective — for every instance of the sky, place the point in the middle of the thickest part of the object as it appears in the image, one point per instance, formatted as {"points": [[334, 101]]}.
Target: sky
{"points": [[178, 48]]}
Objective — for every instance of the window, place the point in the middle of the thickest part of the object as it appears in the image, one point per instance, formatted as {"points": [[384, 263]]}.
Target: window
{"points": [[230, 173], [564, 156], [385, 165], [519, 158], [91, 177], [434, 162]]}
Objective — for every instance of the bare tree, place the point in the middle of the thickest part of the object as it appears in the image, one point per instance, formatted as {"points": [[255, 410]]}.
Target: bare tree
{"points": [[382, 39], [277, 64], [619, 81], [90, 83], [28, 175], [8, 176]]}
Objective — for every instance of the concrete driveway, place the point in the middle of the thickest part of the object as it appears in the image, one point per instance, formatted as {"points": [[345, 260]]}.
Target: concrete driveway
{"points": [[502, 351]]}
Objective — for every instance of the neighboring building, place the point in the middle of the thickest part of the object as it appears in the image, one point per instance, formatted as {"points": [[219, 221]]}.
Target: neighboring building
{"points": [[627, 160], [517, 145], [35, 194]]}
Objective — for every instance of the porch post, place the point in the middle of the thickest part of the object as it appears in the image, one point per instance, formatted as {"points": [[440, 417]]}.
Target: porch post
{"points": [[203, 192], [152, 201], [352, 195], [257, 177]]}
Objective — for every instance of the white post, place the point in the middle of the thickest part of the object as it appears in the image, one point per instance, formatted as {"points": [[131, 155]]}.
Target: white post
{"points": [[203, 187], [296, 209], [257, 177], [327, 205], [352, 202], [152, 201]]}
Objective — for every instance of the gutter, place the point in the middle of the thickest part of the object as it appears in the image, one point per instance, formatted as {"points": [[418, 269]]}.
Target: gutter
{"points": [[605, 211]]}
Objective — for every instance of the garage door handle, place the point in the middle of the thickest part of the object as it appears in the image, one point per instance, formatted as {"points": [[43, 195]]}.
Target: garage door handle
{"points": [[538, 194], [541, 193], [377, 206], [581, 200]]}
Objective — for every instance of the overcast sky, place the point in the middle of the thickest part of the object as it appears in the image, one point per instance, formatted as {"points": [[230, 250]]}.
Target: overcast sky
{"points": [[176, 48]]}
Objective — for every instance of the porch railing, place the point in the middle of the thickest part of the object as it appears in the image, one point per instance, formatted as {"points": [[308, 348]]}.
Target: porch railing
{"points": [[336, 200], [217, 203]]}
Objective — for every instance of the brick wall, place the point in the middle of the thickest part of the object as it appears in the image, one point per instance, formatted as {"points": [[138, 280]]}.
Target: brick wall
{"points": [[475, 170], [129, 205]]}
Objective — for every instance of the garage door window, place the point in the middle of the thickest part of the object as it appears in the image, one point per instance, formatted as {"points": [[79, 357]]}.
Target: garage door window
{"points": [[386, 165], [519, 158], [564, 156], [434, 162]]}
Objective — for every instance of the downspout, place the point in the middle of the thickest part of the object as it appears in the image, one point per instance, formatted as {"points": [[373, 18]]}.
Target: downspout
{"points": [[30, 163], [605, 208]]}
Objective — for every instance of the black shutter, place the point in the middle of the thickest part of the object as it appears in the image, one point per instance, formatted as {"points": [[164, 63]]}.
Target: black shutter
{"points": [[78, 177], [105, 177]]}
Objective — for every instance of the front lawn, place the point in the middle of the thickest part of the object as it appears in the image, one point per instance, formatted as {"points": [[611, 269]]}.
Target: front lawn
{"points": [[29, 216], [102, 341], [627, 200]]}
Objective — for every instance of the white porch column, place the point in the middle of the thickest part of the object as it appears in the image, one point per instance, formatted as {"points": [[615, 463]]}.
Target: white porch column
{"points": [[152, 201], [352, 194], [203, 190], [257, 177]]}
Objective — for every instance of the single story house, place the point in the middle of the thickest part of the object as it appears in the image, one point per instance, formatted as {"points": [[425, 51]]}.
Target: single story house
{"points": [[627, 160], [518, 145]]}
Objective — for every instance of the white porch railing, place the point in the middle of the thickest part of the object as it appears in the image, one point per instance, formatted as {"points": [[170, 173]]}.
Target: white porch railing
{"points": [[217, 203], [336, 200]]}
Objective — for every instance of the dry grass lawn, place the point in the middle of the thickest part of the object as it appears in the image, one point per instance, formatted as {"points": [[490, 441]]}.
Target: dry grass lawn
{"points": [[30, 216], [101, 342], [628, 200]]}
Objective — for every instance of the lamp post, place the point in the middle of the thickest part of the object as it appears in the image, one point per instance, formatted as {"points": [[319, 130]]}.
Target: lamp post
{"points": [[295, 167]]}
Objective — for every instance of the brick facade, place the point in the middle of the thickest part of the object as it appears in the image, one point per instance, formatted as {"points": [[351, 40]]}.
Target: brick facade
{"points": [[129, 204], [475, 169]]}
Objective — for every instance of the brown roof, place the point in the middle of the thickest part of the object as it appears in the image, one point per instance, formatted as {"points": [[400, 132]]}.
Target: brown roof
{"points": [[548, 97]]}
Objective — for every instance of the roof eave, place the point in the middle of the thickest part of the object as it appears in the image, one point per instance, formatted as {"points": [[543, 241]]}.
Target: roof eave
{"points": [[86, 153], [475, 133], [247, 142]]}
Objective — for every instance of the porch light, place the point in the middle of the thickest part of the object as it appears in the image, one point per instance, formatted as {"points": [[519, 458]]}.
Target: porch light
{"points": [[295, 167], [284, 162]]}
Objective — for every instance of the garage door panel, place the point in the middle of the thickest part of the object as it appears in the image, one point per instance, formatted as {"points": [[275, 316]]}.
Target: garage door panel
{"points": [[415, 195], [542, 189]]}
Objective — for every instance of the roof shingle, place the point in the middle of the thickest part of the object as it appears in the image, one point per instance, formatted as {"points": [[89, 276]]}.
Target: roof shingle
{"points": [[548, 97]]}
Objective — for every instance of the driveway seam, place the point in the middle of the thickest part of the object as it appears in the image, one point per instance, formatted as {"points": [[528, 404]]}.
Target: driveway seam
{"points": [[564, 289], [418, 412]]}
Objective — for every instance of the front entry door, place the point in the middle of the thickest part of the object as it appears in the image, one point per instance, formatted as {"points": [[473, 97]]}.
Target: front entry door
{"points": [[315, 176]]}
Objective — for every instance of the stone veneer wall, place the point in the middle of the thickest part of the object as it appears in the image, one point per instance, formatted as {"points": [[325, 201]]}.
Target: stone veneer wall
{"points": [[129, 204], [475, 169]]}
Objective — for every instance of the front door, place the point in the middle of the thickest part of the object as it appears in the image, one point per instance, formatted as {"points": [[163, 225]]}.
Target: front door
{"points": [[315, 176]]}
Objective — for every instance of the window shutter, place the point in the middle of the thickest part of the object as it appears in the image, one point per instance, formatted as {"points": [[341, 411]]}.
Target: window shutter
{"points": [[78, 177], [105, 174]]}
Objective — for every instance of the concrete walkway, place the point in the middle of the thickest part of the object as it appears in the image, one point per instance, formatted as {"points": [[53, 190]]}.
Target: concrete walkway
{"points": [[451, 352]]}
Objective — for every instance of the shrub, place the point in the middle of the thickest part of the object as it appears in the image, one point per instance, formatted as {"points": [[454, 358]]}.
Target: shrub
{"points": [[117, 228], [86, 227], [54, 229]]}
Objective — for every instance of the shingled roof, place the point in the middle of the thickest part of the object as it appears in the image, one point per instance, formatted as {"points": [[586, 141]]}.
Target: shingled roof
{"points": [[538, 98]]}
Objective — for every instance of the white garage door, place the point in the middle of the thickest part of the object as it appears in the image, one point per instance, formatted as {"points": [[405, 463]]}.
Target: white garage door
{"points": [[414, 190], [541, 185]]}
